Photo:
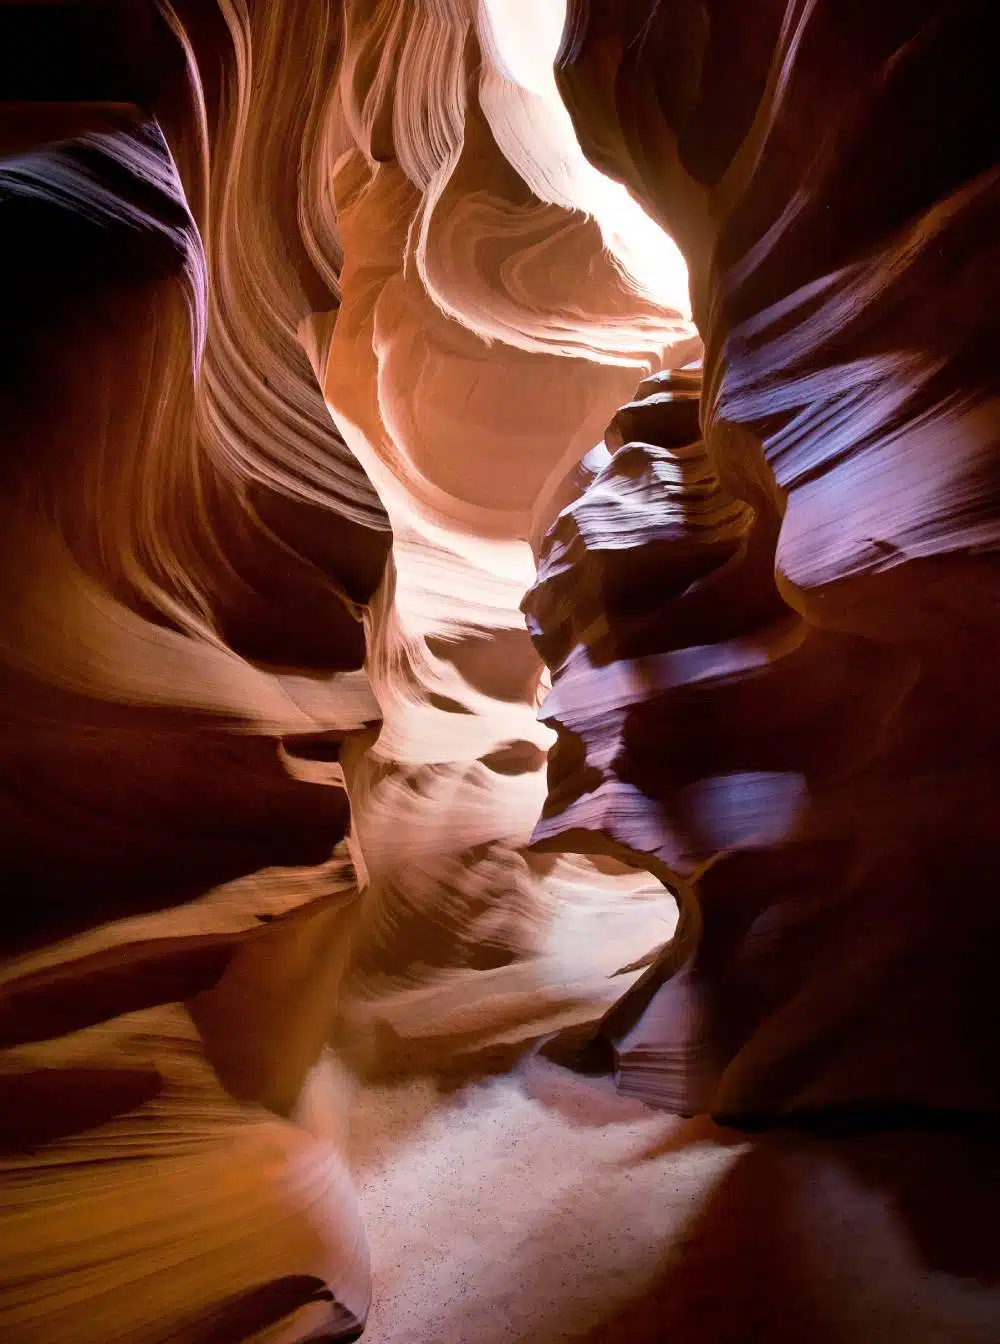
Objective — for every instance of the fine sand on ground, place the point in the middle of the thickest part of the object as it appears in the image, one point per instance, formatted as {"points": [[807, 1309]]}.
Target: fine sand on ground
{"points": [[509, 1201], [526, 1209], [495, 1216]]}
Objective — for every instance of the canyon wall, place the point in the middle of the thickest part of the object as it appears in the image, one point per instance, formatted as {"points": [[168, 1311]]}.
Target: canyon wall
{"points": [[771, 621], [188, 545], [289, 277], [489, 325], [315, 314]]}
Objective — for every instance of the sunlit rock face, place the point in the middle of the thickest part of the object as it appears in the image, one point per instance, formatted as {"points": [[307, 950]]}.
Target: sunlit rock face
{"points": [[772, 625], [499, 299], [187, 548], [289, 276], [315, 311]]}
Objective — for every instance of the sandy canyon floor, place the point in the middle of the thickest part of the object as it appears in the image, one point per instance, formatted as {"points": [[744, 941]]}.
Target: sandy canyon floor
{"points": [[522, 1204], [520, 1210]]}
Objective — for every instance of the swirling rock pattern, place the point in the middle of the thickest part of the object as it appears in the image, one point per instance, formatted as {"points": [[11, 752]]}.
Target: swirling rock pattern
{"points": [[315, 311], [486, 332], [230, 221], [772, 632], [187, 548]]}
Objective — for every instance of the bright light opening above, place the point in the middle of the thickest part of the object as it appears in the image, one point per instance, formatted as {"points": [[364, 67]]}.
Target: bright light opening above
{"points": [[520, 41]]}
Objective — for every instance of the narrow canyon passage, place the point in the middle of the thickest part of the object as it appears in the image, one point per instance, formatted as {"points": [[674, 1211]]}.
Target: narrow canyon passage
{"points": [[498, 646]]}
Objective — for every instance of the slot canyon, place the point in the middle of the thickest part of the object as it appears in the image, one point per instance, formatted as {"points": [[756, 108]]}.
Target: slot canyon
{"points": [[499, 653]]}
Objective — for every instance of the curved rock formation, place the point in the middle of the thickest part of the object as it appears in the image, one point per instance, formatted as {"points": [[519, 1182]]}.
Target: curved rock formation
{"points": [[485, 334], [187, 545], [315, 312], [770, 625], [190, 547]]}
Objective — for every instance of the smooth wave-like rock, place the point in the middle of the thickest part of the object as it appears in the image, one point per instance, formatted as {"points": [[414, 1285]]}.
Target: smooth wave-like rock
{"points": [[487, 330], [314, 314], [769, 624], [187, 548], [215, 255]]}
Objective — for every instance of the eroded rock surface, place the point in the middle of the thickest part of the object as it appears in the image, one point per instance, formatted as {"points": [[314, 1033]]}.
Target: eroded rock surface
{"points": [[484, 337], [315, 312], [187, 547], [771, 631], [231, 223]]}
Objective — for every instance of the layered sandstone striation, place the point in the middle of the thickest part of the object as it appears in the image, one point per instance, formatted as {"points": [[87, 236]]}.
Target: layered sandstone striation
{"points": [[316, 311], [770, 623], [217, 256], [187, 548], [489, 325]]}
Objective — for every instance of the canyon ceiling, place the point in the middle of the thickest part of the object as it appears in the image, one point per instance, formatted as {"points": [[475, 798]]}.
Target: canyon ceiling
{"points": [[499, 556]]}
